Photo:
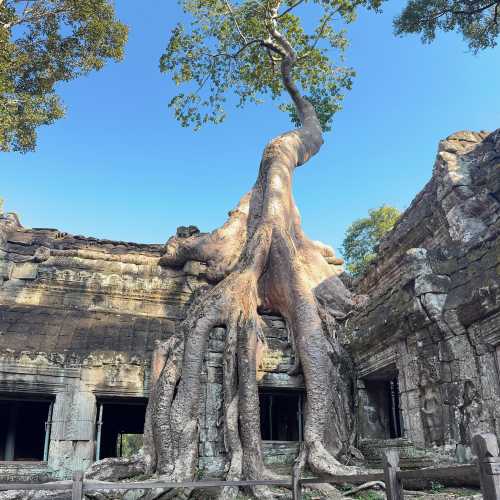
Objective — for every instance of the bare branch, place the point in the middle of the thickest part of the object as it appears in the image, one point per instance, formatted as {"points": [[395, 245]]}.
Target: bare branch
{"points": [[276, 35], [238, 52], [284, 13], [462, 12], [319, 35], [231, 12], [273, 47], [474, 11]]}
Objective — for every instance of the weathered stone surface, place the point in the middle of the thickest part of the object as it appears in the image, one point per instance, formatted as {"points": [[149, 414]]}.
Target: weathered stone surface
{"points": [[80, 319], [434, 301]]}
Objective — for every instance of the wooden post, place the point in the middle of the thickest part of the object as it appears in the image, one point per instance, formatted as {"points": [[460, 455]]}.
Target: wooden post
{"points": [[393, 486], [296, 488], [77, 490], [298, 467], [486, 449]]}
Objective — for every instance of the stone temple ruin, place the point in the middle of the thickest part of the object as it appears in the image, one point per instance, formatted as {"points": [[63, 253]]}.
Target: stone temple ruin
{"points": [[79, 319]]}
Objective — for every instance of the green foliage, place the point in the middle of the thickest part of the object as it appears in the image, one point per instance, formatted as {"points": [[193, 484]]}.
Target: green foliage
{"points": [[363, 236], [476, 20], [227, 48], [369, 495], [437, 487], [43, 42], [1, 205], [130, 444]]}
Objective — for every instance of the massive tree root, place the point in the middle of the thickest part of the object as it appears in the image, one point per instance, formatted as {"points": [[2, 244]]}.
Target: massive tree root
{"points": [[260, 260]]}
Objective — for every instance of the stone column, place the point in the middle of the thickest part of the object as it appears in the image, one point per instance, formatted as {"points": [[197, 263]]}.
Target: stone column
{"points": [[72, 439]]}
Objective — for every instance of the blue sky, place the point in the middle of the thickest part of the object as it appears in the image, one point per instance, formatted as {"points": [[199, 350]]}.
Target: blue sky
{"points": [[120, 167]]}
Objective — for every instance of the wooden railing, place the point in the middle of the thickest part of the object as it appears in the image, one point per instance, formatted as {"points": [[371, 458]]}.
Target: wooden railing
{"points": [[487, 468], [79, 485]]}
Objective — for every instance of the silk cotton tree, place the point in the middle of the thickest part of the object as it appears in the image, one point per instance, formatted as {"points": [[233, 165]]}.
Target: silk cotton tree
{"points": [[260, 260]]}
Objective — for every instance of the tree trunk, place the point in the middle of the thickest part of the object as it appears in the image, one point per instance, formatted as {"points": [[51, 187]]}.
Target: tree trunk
{"points": [[259, 259]]}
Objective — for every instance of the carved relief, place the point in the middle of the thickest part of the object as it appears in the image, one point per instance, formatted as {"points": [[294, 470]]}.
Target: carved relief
{"points": [[471, 411], [431, 405]]}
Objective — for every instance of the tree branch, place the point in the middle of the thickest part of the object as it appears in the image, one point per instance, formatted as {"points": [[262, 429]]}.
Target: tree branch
{"points": [[231, 12], [474, 11], [284, 13], [319, 35], [33, 11], [462, 12], [238, 52], [305, 110], [495, 17], [277, 36]]}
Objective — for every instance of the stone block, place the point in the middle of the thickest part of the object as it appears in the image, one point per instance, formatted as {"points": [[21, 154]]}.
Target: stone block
{"points": [[195, 268], [24, 271], [212, 466], [214, 375], [209, 449]]}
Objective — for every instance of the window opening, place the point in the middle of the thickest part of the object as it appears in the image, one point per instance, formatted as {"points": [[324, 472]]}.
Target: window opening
{"points": [[25, 426], [120, 426], [281, 415]]}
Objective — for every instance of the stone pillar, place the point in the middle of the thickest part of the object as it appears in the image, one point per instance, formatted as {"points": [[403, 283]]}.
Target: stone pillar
{"points": [[212, 449], [72, 439], [410, 396], [362, 402], [486, 448]]}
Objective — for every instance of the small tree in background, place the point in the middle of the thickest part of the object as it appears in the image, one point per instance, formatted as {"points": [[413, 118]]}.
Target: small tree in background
{"points": [[476, 20], [364, 235], [1, 205], [42, 43]]}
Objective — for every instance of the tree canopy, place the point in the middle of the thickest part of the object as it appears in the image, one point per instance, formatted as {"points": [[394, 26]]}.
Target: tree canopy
{"points": [[43, 42], [363, 236], [221, 54], [228, 47], [476, 20]]}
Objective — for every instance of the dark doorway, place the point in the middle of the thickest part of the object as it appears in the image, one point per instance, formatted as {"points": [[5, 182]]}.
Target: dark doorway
{"points": [[24, 428], [120, 427], [281, 415], [382, 409]]}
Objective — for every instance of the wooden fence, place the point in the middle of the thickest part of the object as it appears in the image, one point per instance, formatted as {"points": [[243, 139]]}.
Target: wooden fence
{"points": [[487, 468]]}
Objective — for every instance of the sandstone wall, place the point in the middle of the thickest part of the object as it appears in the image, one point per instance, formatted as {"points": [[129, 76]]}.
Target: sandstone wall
{"points": [[433, 301], [79, 318]]}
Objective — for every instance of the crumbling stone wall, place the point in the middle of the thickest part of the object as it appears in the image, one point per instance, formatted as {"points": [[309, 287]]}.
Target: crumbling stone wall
{"points": [[433, 301], [79, 318]]}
